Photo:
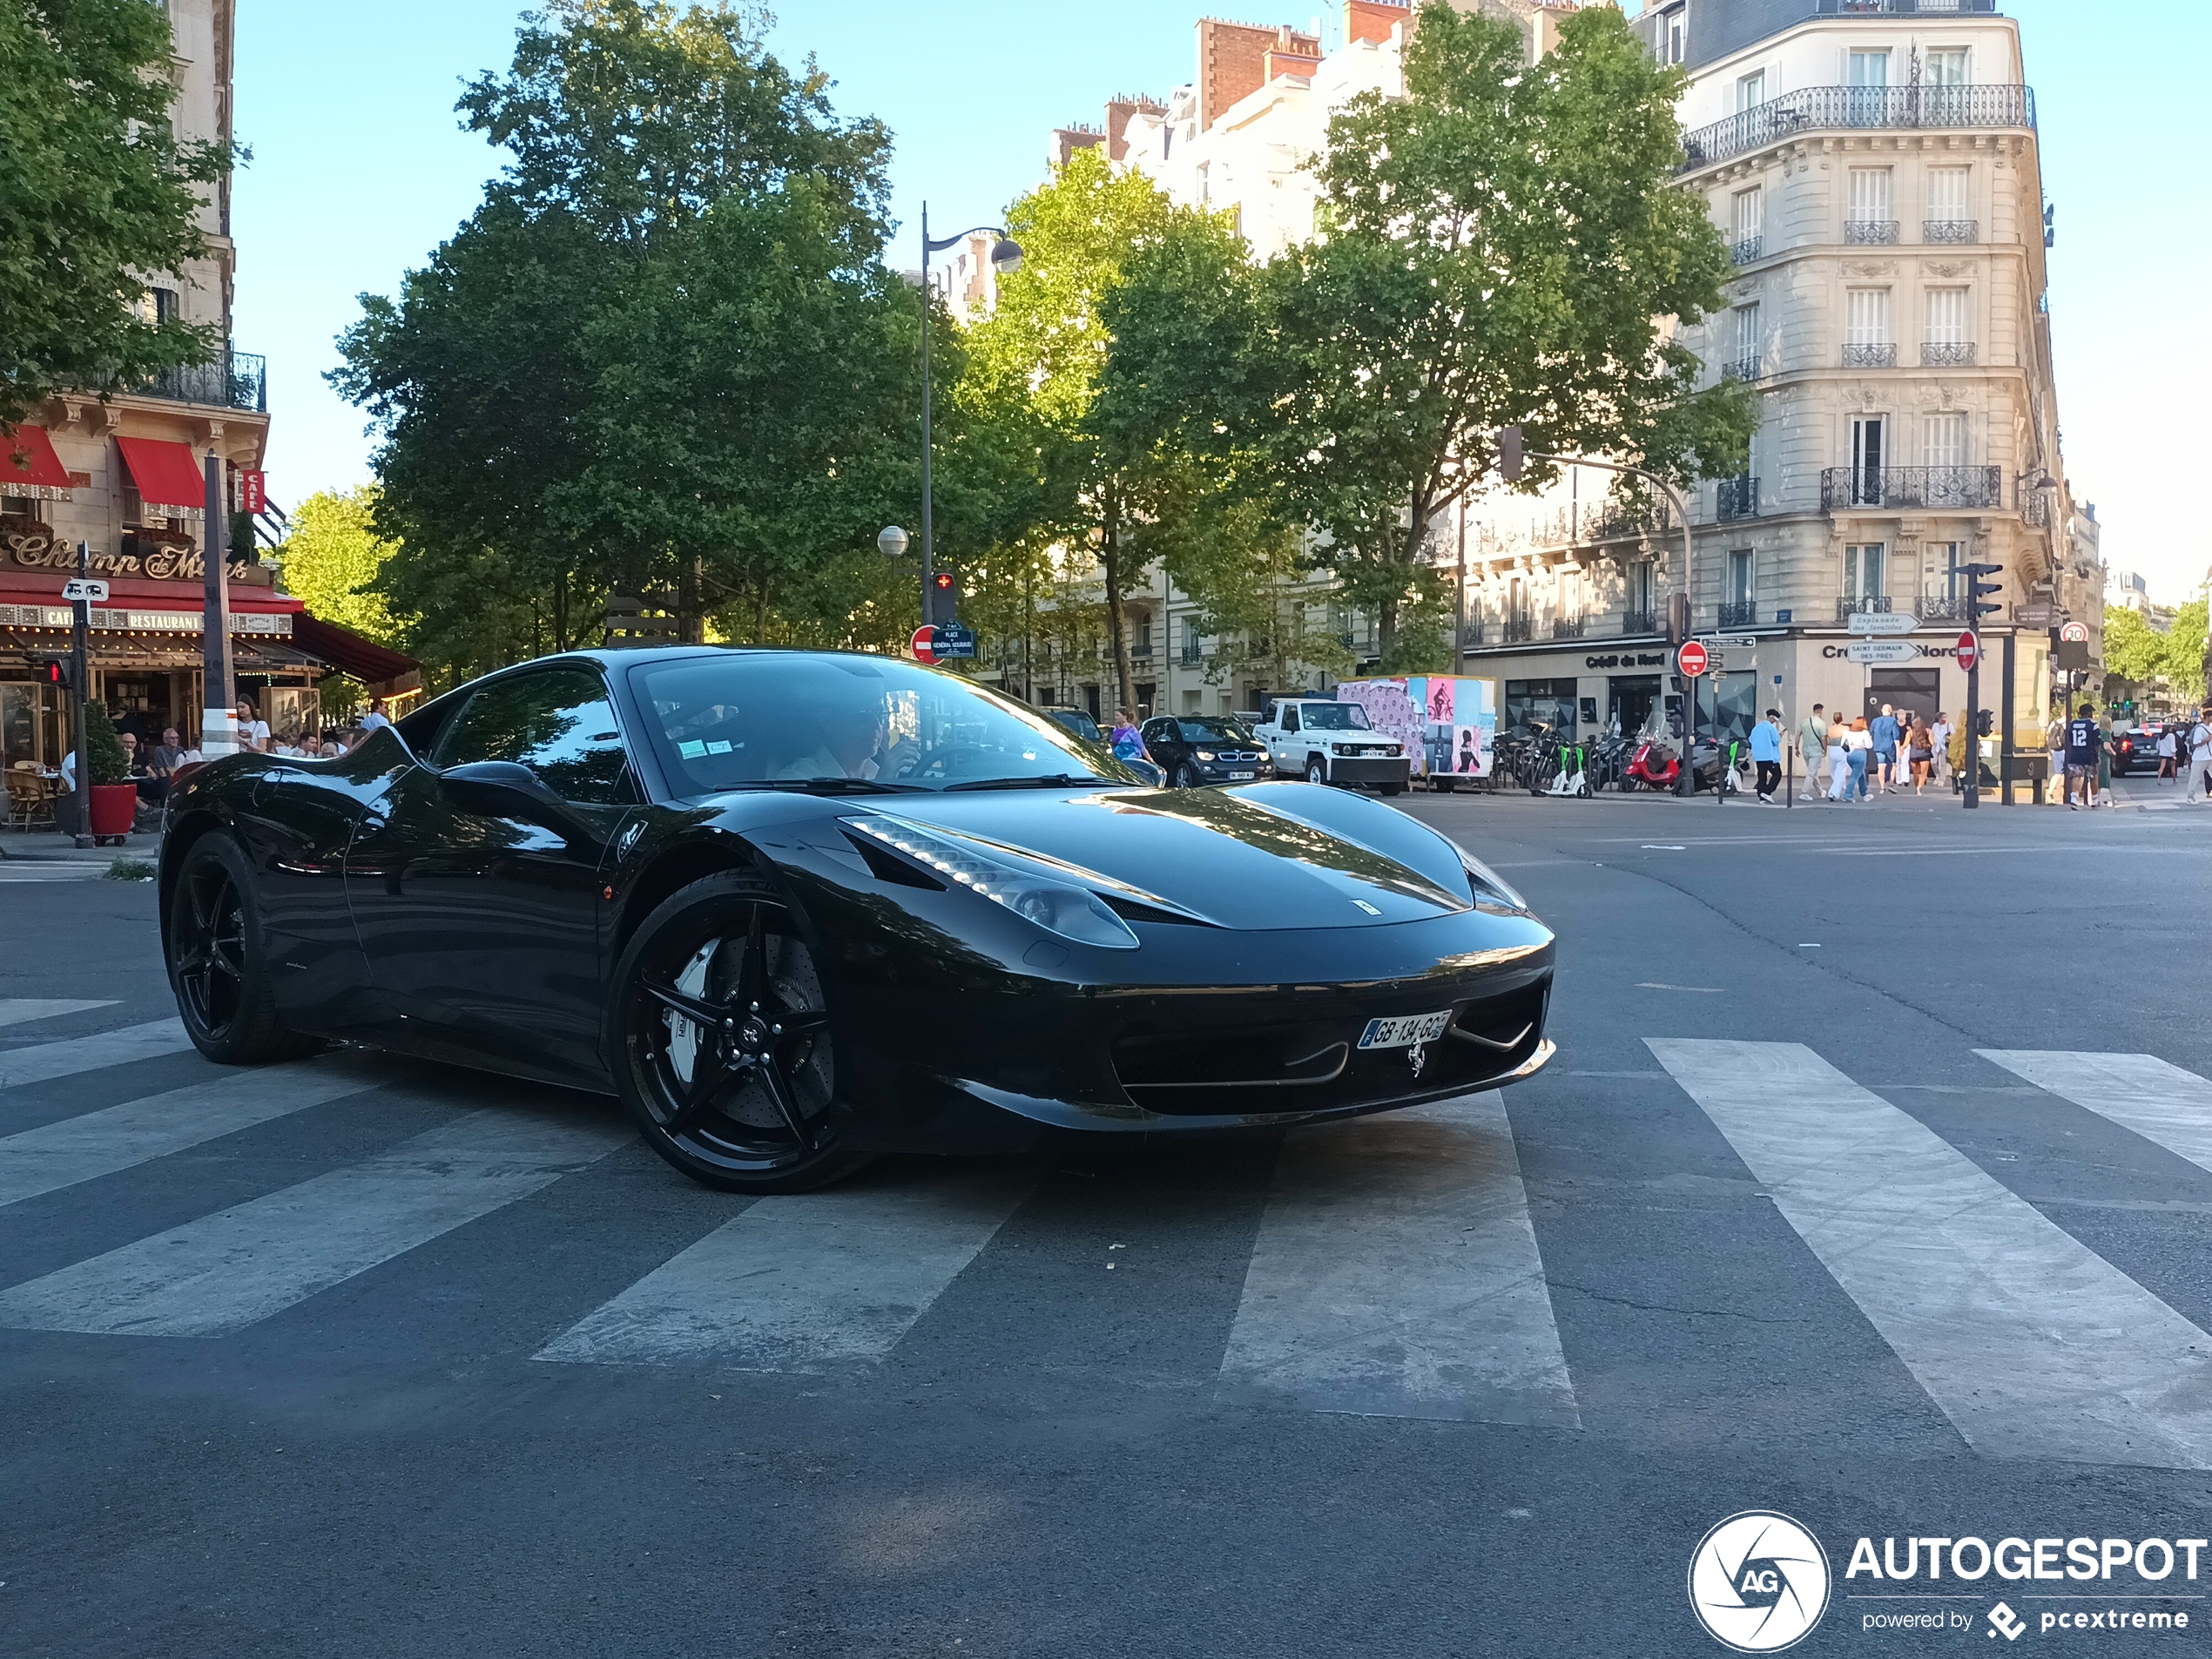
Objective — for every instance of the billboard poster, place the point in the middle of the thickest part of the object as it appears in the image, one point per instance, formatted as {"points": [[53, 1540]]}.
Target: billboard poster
{"points": [[1428, 714], [1440, 700]]}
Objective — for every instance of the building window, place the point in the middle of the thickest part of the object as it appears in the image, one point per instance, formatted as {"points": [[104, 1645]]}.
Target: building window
{"points": [[1743, 575], [1946, 316], [1950, 215], [1745, 364], [1863, 574], [1747, 213], [1674, 34], [1949, 553], [1751, 91], [1642, 582], [1867, 343], [156, 306], [1871, 220], [1946, 66], [1867, 459], [1144, 646], [1871, 69], [1944, 437]]}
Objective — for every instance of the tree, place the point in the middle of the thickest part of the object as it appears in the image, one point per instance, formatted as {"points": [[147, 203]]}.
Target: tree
{"points": [[332, 558], [96, 188], [1503, 246], [2133, 651]]}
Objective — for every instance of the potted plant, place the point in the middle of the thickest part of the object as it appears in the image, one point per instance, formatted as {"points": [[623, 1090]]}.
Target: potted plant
{"points": [[115, 797]]}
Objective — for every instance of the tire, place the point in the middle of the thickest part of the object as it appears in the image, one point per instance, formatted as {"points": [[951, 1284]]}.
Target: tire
{"points": [[1315, 772], [1392, 789], [1185, 778], [219, 962], [729, 951]]}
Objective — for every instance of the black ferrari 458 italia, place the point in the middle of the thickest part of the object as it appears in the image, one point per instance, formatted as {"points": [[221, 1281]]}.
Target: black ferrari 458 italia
{"points": [[797, 907]]}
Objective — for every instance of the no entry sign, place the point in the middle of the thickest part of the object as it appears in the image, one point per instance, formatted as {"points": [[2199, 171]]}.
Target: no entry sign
{"points": [[1969, 649], [924, 645], [1692, 659]]}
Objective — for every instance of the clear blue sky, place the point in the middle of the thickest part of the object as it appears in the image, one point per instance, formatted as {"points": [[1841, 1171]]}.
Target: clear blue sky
{"points": [[360, 171]]}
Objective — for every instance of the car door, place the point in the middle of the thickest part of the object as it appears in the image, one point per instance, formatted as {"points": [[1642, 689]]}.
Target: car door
{"points": [[1288, 755], [1159, 744], [474, 878]]}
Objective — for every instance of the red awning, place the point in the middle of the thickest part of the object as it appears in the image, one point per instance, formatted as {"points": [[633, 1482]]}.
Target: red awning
{"points": [[167, 474], [28, 460], [346, 651]]}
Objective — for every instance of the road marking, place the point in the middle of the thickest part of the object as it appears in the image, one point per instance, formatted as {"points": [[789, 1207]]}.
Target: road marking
{"points": [[2031, 1345], [2137, 1091], [46, 1061], [20, 870], [16, 1011], [811, 1282], [101, 1143], [1397, 1275], [1694, 990], [225, 1272]]}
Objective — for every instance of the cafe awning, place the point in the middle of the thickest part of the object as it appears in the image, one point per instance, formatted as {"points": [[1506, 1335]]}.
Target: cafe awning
{"points": [[346, 651], [167, 474], [28, 463]]}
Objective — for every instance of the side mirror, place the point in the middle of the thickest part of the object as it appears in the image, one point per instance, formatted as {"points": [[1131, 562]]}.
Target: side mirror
{"points": [[507, 789]]}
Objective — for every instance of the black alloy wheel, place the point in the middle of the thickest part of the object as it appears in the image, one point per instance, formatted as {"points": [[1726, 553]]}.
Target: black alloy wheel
{"points": [[218, 964], [1186, 776], [728, 1058]]}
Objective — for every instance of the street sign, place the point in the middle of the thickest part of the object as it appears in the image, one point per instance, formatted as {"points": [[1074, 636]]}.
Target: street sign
{"points": [[2036, 615], [924, 645], [1881, 622], [1692, 659], [1969, 649], [85, 588], [252, 490], [1744, 643], [953, 641], [2075, 633], [1881, 650]]}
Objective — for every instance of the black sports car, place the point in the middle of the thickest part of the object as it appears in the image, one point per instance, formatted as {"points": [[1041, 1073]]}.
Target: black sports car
{"points": [[797, 907]]}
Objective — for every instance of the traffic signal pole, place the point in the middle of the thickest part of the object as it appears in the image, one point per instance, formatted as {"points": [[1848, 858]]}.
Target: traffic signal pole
{"points": [[79, 652], [1971, 783]]}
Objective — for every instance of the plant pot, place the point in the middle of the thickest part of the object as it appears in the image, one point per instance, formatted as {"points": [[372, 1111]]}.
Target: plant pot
{"points": [[114, 808]]}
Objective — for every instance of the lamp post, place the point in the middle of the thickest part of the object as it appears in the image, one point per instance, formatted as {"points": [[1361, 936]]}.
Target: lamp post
{"points": [[1005, 258]]}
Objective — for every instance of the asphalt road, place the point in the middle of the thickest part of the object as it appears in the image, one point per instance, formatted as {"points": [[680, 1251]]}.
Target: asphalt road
{"points": [[363, 1357]]}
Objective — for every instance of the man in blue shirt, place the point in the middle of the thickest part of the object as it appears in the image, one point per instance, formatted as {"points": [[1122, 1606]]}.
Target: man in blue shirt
{"points": [[1766, 753], [1884, 730], [2083, 741]]}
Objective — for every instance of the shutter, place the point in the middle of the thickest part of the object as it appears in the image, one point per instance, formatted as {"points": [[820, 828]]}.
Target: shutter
{"points": [[1946, 316]]}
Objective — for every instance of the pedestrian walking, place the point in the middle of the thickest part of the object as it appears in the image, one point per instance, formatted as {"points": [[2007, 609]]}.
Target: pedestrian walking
{"points": [[1859, 747], [1940, 731], [1886, 732], [2104, 742], [2200, 741], [1919, 753], [2167, 750], [2083, 741], [2054, 741], [1766, 754], [1123, 738], [1812, 748], [1839, 753]]}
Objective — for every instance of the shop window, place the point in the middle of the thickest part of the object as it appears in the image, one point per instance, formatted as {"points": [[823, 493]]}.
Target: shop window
{"points": [[1533, 703]]}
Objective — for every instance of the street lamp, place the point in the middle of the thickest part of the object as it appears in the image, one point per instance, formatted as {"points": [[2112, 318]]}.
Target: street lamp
{"points": [[893, 541], [1006, 259]]}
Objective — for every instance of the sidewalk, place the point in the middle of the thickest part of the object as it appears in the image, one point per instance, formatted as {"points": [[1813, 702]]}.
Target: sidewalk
{"points": [[46, 846]]}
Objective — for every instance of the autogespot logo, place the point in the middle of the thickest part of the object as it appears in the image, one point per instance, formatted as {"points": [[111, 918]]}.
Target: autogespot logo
{"points": [[1758, 1582]]}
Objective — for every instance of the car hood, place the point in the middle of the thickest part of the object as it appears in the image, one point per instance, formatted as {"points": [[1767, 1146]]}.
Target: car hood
{"points": [[1220, 857]]}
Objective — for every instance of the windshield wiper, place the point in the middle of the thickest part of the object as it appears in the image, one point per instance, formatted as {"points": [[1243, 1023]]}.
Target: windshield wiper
{"points": [[1051, 780]]}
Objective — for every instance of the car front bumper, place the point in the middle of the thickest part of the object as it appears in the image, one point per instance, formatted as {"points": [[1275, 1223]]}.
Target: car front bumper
{"points": [[1360, 769]]}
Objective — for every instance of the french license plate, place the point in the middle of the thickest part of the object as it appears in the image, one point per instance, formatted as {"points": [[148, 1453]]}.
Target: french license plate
{"points": [[1404, 1030], [1242, 776]]}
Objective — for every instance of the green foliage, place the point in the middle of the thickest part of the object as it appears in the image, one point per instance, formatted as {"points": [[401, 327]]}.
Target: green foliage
{"points": [[2186, 658], [663, 355], [128, 870], [110, 761], [333, 556], [2133, 652], [1503, 244], [95, 189]]}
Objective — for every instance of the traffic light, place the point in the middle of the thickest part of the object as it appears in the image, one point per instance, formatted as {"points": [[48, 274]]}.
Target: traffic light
{"points": [[1978, 590], [1510, 455], [942, 580], [1678, 618], [1985, 722], [61, 671]]}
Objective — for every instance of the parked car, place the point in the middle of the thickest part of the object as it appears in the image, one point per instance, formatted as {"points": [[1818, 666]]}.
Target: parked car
{"points": [[1196, 749], [1079, 722], [1327, 742]]}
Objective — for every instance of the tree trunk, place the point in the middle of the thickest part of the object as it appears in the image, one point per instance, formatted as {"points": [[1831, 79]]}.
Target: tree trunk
{"points": [[1109, 559]]}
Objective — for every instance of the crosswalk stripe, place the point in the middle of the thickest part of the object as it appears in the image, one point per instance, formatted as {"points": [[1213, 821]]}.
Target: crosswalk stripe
{"points": [[218, 1274], [1396, 1274], [2159, 1102], [814, 1281], [45, 1060], [16, 1010], [2032, 1345], [97, 1143]]}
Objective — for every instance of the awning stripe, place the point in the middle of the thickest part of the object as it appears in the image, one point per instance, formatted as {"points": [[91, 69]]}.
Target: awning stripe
{"points": [[167, 474]]}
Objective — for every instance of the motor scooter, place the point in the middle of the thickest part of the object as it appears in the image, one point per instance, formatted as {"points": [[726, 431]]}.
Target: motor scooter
{"points": [[1656, 763]]}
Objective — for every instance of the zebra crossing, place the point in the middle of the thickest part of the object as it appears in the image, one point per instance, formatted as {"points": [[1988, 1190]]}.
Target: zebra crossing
{"points": [[1395, 1269]]}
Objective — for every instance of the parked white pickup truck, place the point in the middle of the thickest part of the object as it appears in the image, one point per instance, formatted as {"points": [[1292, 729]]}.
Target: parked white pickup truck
{"points": [[1327, 742]]}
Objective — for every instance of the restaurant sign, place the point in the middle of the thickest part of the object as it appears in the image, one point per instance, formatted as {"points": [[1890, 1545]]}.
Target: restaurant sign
{"points": [[144, 622], [39, 549]]}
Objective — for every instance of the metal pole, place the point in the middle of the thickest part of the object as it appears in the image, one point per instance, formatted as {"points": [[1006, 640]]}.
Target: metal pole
{"points": [[81, 655], [218, 696], [1972, 782], [928, 586], [1460, 596], [2004, 726]]}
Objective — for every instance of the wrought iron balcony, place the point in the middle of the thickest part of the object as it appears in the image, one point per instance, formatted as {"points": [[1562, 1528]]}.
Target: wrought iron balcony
{"points": [[1907, 8], [1739, 613], [1745, 249], [1942, 607], [1955, 488], [1191, 655], [1949, 353], [1817, 108], [1471, 636], [1744, 368], [1958, 231], [1618, 518], [1852, 603], [1869, 232], [239, 381], [1639, 622], [1519, 628], [1870, 356], [1567, 627], [1735, 498]]}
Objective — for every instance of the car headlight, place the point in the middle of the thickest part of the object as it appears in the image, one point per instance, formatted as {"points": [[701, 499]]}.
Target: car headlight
{"points": [[1488, 886], [1205, 754], [1339, 748], [1395, 749], [1057, 907]]}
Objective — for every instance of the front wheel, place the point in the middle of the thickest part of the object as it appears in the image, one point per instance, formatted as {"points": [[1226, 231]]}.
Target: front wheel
{"points": [[1393, 789], [1185, 777], [725, 1049], [1316, 773]]}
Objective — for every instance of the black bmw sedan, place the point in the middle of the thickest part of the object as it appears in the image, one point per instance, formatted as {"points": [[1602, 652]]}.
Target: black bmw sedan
{"points": [[796, 909], [1195, 749]]}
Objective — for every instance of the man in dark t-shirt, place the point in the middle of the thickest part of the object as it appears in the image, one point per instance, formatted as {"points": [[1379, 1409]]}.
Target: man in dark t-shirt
{"points": [[2083, 741]]}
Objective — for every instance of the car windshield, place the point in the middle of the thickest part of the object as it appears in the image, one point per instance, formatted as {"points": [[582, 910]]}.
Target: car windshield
{"points": [[764, 719], [1077, 721], [1334, 717], [1228, 731]]}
